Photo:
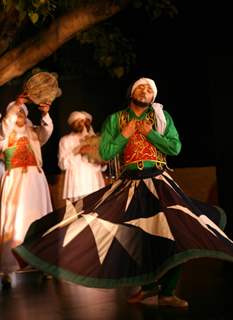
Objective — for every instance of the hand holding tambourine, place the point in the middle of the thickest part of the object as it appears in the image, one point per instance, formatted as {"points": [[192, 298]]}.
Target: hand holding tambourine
{"points": [[42, 89], [44, 108], [90, 148]]}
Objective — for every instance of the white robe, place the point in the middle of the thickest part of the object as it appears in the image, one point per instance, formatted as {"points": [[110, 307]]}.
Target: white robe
{"points": [[2, 164], [81, 176], [25, 196]]}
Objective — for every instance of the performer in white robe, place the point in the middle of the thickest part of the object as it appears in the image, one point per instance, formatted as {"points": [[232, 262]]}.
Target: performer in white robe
{"points": [[82, 177], [25, 194], [2, 164]]}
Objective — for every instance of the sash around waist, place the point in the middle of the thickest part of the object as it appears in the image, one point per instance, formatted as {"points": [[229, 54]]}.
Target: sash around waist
{"points": [[140, 165]]}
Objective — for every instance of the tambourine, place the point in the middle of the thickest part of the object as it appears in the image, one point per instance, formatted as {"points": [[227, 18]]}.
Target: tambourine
{"points": [[92, 151], [42, 88]]}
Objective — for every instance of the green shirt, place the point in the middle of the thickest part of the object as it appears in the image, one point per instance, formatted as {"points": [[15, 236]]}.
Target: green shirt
{"points": [[113, 142]]}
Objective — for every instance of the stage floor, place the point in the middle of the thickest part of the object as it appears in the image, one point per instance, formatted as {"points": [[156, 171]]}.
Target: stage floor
{"points": [[206, 283]]}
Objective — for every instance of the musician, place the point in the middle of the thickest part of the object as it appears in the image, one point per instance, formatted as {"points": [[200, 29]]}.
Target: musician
{"points": [[82, 176], [25, 194], [2, 164]]}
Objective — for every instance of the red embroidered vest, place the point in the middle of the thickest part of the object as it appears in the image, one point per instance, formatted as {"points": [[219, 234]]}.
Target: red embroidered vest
{"points": [[138, 148], [19, 154]]}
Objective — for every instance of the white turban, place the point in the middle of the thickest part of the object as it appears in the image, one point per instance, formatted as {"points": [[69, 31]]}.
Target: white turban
{"points": [[75, 115], [148, 81], [22, 106], [87, 115]]}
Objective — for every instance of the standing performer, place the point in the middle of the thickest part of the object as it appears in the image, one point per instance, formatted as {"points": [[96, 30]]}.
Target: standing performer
{"points": [[140, 229], [2, 164], [25, 194], [82, 176]]}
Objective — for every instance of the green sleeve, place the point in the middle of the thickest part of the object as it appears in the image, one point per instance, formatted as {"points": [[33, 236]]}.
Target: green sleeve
{"points": [[169, 142], [112, 141]]}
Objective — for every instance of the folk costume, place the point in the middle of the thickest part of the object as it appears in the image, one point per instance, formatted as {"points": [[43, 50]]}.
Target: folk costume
{"points": [[82, 176], [2, 164], [137, 229], [25, 195]]}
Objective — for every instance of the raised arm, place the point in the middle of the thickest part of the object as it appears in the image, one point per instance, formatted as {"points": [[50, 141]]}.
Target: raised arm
{"points": [[45, 129]]}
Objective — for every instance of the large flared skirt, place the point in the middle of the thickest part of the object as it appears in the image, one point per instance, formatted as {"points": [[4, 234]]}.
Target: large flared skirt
{"points": [[128, 233]]}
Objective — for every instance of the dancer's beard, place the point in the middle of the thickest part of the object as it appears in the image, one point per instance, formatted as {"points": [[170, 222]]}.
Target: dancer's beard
{"points": [[140, 104]]}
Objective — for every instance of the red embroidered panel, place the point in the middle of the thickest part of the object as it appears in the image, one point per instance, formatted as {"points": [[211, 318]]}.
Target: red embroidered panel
{"points": [[139, 148], [23, 155]]}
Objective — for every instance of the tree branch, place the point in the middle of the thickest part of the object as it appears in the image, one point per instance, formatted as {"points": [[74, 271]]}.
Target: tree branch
{"points": [[17, 61]]}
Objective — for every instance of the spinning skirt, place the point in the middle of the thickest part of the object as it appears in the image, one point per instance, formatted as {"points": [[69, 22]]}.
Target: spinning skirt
{"points": [[129, 233]]}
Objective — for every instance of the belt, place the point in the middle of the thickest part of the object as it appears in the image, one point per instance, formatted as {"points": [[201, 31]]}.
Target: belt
{"points": [[145, 164]]}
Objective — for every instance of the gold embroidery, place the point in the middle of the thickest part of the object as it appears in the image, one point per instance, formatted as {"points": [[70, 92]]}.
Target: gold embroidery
{"points": [[138, 148]]}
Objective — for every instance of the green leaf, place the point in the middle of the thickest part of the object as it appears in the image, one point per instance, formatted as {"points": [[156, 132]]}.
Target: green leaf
{"points": [[7, 4], [20, 6], [118, 72], [34, 17]]}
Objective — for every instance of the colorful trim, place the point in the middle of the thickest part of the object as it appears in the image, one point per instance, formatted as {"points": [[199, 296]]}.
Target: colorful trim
{"points": [[176, 260]]}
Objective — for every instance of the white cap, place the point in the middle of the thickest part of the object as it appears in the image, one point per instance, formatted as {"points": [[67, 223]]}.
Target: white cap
{"points": [[148, 81], [87, 115], [75, 115]]}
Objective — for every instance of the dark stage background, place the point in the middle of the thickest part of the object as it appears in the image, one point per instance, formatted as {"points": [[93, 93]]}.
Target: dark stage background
{"points": [[190, 59]]}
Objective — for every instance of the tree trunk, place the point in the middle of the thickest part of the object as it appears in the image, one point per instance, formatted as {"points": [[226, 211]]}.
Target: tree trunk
{"points": [[17, 61]]}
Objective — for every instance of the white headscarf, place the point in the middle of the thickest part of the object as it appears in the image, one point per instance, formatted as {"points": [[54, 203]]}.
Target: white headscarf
{"points": [[148, 81], [161, 121], [75, 115], [22, 106], [87, 115]]}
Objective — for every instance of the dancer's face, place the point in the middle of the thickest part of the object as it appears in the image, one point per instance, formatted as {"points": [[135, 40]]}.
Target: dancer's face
{"points": [[143, 94], [88, 124], [78, 125], [21, 118]]}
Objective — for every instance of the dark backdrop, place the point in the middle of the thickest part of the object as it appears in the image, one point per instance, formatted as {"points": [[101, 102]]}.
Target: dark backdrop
{"points": [[190, 59]]}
